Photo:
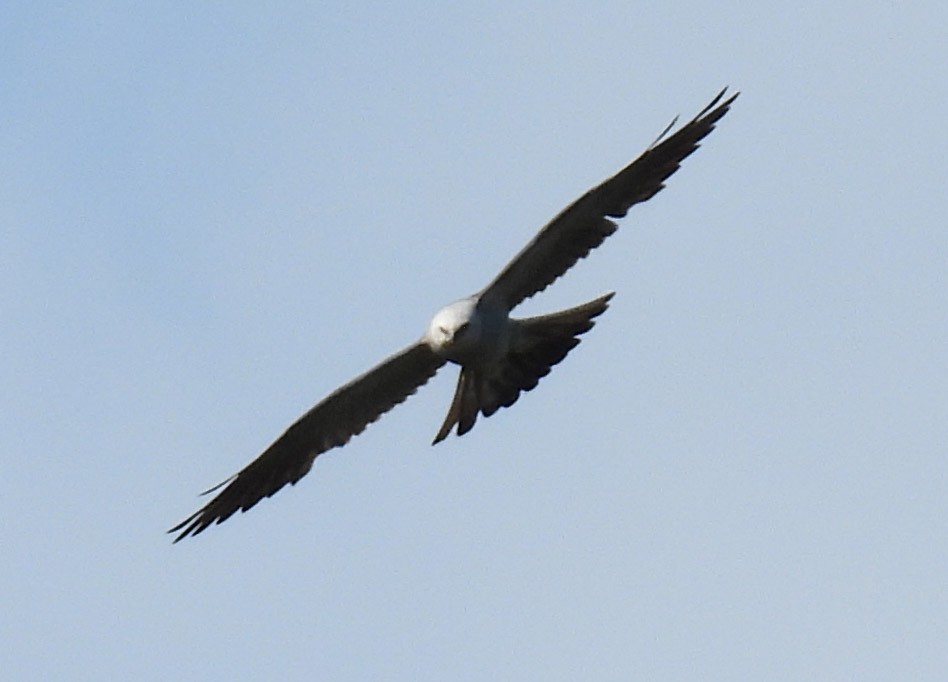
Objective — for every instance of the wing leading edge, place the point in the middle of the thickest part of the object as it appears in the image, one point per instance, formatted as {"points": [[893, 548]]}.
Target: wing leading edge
{"points": [[329, 424], [585, 224]]}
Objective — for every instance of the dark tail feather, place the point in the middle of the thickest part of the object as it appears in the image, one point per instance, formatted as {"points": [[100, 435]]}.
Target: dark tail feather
{"points": [[540, 343], [463, 410]]}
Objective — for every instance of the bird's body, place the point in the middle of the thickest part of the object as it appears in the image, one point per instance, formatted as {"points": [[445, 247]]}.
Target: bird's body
{"points": [[500, 356]]}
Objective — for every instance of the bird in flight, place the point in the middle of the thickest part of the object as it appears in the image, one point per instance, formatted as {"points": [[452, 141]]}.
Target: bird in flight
{"points": [[499, 356]]}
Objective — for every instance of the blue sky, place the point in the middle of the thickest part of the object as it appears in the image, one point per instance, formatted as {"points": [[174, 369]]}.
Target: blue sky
{"points": [[212, 215]]}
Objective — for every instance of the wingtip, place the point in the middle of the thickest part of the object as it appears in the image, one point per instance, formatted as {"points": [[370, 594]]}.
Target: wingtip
{"points": [[185, 533], [714, 103], [604, 300]]}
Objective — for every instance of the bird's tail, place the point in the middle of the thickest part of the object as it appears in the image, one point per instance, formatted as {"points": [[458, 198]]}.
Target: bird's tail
{"points": [[538, 344]]}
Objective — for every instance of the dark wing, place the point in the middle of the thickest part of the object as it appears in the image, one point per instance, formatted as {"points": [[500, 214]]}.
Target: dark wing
{"points": [[585, 224], [342, 415]]}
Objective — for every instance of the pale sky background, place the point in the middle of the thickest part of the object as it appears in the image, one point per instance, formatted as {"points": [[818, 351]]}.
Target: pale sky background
{"points": [[212, 214]]}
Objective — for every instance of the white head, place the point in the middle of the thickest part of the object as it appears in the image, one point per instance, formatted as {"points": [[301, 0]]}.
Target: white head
{"points": [[455, 330]]}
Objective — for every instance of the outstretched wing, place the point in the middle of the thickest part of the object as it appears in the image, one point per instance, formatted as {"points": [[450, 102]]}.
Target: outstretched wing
{"points": [[585, 224], [342, 415]]}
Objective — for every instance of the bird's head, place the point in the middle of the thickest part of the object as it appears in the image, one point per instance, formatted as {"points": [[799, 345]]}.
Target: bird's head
{"points": [[454, 331]]}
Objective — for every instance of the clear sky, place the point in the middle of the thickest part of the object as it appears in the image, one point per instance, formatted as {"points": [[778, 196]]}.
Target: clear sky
{"points": [[212, 214]]}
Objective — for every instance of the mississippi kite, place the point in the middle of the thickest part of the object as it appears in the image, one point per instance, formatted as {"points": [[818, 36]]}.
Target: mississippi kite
{"points": [[499, 356]]}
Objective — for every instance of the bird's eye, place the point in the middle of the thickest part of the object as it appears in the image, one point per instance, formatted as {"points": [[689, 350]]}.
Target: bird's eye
{"points": [[462, 329]]}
